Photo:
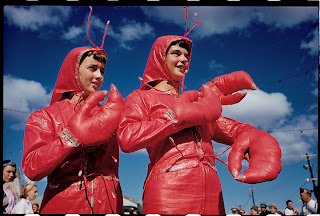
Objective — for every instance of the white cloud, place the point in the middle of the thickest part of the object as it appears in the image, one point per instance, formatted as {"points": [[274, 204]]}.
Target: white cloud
{"points": [[313, 44], [260, 109], [291, 140], [72, 33], [35, 17], [286, 17], [294, 142], [223, 20], [24, 96], [131, 31], [127, 32], [216, 67]]}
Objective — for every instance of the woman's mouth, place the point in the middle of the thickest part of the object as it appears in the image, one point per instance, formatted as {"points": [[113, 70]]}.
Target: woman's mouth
{"points": [[181, 69], [95, 86]]}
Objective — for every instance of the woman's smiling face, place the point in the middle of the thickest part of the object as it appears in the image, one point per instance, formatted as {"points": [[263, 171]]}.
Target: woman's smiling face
{"points": [[177, 60]]}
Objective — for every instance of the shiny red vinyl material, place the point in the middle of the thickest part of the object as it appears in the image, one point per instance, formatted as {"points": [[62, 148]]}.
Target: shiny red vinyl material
{"points": [[182, 176], [80, 179]]}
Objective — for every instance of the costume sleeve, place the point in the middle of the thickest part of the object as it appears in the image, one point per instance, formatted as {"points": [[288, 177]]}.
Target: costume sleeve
{"points": [[136, 131], [225, 130], [44, 148]]}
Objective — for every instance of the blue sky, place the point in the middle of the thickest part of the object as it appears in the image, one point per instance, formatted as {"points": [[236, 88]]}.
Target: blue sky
{"points": [[272, 44]]}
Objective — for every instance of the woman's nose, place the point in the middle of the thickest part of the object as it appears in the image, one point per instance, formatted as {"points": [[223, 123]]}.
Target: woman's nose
{"points": [[183, 58], [99, 74]]}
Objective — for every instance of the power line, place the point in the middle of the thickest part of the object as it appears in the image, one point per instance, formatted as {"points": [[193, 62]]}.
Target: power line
{"points": [[16, 111], [301, 130], [286, 78]]}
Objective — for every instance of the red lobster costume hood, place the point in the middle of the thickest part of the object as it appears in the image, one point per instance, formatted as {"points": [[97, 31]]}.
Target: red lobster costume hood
{"points": [[68, 78], [74, 146], [156, 68], [178, 135]]}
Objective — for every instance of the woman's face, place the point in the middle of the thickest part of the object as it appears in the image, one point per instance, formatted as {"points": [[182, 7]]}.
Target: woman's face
{"points": [[254, 212], [177, 61], [91, 74], [9, 173], [35, 208], [273, 210], [32, 194]]}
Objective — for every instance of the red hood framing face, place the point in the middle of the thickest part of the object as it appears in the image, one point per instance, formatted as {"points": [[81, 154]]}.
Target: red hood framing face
{"points": [[68, 78], [156, 68]]}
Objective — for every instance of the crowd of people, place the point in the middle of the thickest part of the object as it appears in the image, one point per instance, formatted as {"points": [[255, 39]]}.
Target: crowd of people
{"points": [[17, 199], [309, 206]]}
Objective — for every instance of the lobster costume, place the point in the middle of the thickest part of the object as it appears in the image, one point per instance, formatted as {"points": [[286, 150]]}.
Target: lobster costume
{"points": [[75, 147], [177, 133]]}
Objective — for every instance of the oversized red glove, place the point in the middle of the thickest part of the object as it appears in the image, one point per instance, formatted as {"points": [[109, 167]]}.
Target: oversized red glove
{"points": [[96, 129], [224, 86], [196, 108], [264, 153]]}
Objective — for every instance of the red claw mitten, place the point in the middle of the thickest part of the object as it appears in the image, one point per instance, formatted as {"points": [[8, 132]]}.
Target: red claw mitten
{"points": [[196, 108], [93, 130], [224, 86], [264, 153]]}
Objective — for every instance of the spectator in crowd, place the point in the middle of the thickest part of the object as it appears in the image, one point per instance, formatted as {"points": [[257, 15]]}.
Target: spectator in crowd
{"points": [[35, 208], [242, 212], [274, 209], [254, 210], [309, 206], [263, 207], [11, 188], [235, 211], [289, 209], [24, 206]]}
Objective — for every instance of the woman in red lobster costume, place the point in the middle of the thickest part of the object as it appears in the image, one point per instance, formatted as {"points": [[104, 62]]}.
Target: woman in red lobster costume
{"points": [[177, 130], [73, 141]]}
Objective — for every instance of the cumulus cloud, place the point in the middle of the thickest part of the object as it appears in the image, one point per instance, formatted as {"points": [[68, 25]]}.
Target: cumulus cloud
{"points": [[72, 33], [293, 141], [125, 33], [313, 44], [223, 20], [260, 109], [286, 17], [22, 95], [216, 67], [130, 31], [36, 17], [296, 137]]}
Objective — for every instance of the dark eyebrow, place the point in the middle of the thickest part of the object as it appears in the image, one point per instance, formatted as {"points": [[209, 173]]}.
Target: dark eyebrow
{"points": [[177, 50]]}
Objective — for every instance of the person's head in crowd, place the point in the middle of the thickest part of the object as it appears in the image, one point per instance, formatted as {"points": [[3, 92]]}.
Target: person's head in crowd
{"points": [[273, 208], [29, 192], [289, 204], [263, 206], [11, 179], [305, 195], [235, 211], [254, 210], [9, 171], [35, 208], [241, 212]]}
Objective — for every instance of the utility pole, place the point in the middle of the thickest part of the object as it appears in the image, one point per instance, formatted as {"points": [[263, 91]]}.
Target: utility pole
{"points": [[252, 195], [315, 187]]}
